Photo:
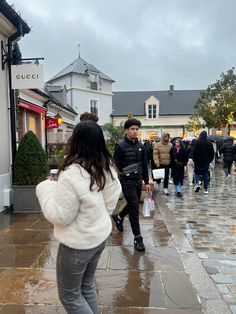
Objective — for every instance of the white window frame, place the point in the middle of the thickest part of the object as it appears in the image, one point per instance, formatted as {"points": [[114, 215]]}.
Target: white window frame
{"points": [[151, 106], [90, 105]]}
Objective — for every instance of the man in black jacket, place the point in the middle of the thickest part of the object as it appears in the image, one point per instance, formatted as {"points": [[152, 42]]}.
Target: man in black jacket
{"points": [[203, 154], [130, 159], [228, 151]]}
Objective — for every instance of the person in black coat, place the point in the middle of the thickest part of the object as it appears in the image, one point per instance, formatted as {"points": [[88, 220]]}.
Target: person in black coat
{"points": [[203, 154], [179, 159], [228, 151], [130, 160]]}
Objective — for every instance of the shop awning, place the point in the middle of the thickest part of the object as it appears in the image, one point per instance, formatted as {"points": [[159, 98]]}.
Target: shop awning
{"points": [[29, 106]]}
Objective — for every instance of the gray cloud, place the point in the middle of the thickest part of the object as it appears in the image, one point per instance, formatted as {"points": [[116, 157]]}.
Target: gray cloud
{"points": [[141, 44]]}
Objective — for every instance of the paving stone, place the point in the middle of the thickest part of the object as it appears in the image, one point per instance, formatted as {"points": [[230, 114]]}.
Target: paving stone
{"points": [[133, 310], [211, 263], [154, 259], [230, 298], [19, 256], [122, 288], [227, 270], [179, 291], [223, 288], [202, 255], [232, 287], [212, 270], [32, 309], [228, 263], [25, 286], [221, 278]]}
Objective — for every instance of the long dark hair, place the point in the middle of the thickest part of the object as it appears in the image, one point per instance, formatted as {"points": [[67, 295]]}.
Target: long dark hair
{"points": [[88, 149]]}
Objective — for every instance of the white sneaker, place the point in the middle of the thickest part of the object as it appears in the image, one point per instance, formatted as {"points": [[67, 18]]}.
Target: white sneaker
{"points": [[170, 181], [205, 191], [166, 192]]}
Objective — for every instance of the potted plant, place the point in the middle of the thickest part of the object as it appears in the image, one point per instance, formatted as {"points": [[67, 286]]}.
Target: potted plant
{"points": [[30, 168]]}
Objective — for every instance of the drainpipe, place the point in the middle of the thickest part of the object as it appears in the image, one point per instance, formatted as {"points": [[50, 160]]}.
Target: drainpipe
{"points": [[71, 97], [10, 41]]}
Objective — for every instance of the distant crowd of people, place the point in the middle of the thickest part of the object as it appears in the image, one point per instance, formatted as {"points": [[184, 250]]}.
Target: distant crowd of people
{"points": [[197, 157]]}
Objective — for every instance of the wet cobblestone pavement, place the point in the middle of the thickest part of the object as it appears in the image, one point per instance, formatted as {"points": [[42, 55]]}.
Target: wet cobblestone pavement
{"points": [[209, 224], [128, 282]]}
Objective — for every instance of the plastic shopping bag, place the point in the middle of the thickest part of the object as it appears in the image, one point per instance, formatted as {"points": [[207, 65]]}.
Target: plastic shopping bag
{"points": [[148, 205], [158, 173]]}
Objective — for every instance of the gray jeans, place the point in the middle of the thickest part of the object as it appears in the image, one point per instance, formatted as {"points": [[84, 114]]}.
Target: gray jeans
{"points": [[75, 279]]}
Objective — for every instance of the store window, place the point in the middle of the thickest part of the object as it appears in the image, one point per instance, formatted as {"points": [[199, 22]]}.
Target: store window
{"points": [[32, 124]]}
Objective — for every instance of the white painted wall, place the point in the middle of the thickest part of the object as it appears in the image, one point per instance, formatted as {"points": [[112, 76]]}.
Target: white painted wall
{"points": [[5, 135], [82, 103]]}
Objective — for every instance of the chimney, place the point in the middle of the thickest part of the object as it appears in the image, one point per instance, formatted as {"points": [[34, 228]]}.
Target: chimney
{"points": [[171, 91]]}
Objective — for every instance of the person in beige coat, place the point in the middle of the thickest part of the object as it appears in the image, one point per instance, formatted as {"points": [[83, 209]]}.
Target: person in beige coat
{"points": [[161, 158]]}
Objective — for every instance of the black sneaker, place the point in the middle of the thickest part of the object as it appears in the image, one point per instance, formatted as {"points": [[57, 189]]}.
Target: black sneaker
{"points": [[197, 188], [138, 243], [118, 222], [179, 194]]}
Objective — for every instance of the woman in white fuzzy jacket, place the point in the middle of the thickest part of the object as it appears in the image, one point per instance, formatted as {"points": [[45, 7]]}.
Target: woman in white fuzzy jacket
{"points": [[79, 206]]}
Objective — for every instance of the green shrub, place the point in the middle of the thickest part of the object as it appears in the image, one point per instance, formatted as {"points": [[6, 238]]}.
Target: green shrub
{"points": [[31, 165], [56, 154], [111, 148]]}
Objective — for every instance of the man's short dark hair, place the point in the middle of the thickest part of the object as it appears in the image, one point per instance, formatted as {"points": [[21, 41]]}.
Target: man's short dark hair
{"points": [[88, 116], [130, 122]]}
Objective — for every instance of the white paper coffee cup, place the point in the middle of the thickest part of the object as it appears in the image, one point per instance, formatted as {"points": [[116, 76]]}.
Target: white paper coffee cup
{"points": [[54, 173]]}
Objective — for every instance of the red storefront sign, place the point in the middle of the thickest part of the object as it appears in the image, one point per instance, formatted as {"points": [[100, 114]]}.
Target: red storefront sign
{"points": [[52, 123], [27, 105]]}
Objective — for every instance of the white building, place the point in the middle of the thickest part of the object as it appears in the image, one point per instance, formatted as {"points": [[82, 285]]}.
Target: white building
{"points": [[12, 27], [87, 89]]}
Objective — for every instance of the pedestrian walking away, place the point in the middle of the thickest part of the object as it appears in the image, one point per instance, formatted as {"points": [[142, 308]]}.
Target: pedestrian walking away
{"points": [[203, 154], [79, 206], [161, 158], [179, 159], [130, 159], [228, 151]]}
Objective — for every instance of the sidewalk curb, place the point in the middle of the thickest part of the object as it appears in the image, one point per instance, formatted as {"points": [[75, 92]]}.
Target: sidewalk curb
{"points": [[210, 298]]}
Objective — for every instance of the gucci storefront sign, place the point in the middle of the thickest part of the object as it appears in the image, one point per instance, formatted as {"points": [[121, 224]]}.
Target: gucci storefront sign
{"points": [[26, 76]]}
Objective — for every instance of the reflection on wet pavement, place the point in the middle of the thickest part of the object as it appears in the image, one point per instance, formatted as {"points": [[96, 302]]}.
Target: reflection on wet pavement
{"points": [[209, 224], [127, 281]]}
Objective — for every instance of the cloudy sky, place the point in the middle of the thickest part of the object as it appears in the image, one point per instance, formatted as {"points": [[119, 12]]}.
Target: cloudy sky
{"points": [[141, 44]]}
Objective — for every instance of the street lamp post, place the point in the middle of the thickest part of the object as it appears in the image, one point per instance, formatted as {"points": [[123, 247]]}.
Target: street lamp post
{"points": [[183, 130]]}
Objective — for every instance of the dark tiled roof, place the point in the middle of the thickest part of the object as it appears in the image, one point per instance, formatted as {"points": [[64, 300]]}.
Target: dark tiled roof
{"points": [[9, 12], [81, 67], [176, 103]]}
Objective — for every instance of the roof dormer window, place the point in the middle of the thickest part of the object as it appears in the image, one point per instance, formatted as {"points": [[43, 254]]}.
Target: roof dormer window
{"points": [[152, 111], [152, 108], [93, 81], [93, 85]]}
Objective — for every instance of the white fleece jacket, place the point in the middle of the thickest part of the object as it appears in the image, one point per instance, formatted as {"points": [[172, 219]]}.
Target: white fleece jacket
{"points": [[81, 217]]}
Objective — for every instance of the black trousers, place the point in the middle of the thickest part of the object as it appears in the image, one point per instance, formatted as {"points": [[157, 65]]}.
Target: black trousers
{"points": [[166, 179], [132, 191]]}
